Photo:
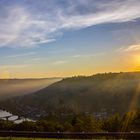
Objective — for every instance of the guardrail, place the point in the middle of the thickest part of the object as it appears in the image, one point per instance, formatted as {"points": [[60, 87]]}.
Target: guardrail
{"points": [[73, 135]]}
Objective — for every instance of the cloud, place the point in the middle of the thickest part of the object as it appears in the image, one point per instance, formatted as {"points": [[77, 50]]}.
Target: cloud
{"points": [[16, 66], [33, 60], [88, 55], [80, 56], [60, 62], [21, 55], [20, 30], [131, 48], [30, 24]]}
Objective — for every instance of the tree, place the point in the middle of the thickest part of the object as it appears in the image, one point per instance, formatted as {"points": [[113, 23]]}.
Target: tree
{"points": [[5, 125], [126, 122], [112, 124], [26, 126], [85, 123], [135, 125]]}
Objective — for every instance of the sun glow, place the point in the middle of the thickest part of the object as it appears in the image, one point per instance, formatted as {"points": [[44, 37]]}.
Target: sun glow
{"points": [[5, 75], [137, 61], [137, 58]]}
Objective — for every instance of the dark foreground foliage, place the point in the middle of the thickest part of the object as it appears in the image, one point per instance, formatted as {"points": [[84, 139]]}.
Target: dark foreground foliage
{"points": [[79, 123]]}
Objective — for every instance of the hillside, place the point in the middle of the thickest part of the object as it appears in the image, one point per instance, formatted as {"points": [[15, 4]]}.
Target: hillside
{"points": [[111, 92], [17, 87]]}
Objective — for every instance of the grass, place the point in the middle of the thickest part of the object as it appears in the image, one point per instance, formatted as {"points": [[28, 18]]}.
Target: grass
{"points": [[8, 138], [12, 138]]}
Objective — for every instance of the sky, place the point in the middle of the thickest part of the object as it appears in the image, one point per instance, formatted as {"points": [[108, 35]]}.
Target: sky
{"points": [[60, 38]]}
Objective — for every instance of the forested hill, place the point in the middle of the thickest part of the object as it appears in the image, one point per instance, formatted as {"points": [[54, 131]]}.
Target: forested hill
{"points": [[112, 92]]}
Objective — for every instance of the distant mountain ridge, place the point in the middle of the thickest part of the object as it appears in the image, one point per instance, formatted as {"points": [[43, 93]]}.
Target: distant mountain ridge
{"points": [[111, 92]]}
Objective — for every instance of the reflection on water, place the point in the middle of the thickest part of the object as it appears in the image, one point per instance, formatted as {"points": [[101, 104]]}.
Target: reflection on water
{"points": [[4, 115]]}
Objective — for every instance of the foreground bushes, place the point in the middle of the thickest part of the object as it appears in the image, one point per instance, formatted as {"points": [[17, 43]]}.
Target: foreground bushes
{"points": [[78, 123]]}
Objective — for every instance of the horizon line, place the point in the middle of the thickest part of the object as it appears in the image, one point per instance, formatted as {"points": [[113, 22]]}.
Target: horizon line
{"points": [[62, 77]]}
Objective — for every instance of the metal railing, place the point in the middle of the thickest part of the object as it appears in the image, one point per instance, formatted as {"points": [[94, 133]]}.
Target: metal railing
{"points": [[72, 135]]}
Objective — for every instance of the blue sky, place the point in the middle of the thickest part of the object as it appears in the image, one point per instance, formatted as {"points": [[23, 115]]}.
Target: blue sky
{"points": [[49, 38]]}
